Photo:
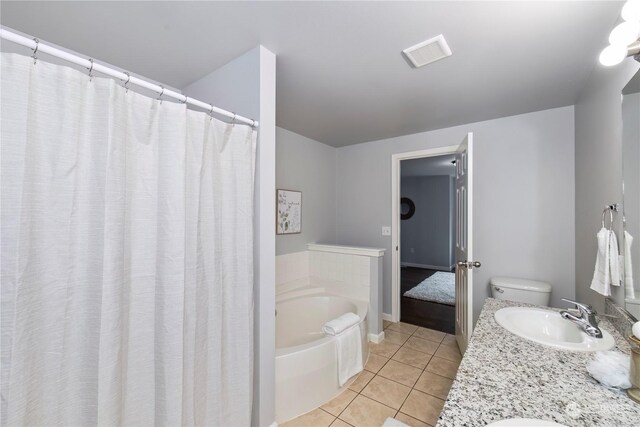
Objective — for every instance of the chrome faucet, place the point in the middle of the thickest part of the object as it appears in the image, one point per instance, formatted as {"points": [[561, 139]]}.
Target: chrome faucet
{"points": [[587, 320]]}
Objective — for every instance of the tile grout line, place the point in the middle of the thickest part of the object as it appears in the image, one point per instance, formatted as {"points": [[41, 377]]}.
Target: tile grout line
{"points": [[422, 371], [411, 388], [375, 374]]}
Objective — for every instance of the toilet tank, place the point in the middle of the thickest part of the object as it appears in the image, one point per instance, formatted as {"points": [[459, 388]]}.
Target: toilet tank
{"points": [[521, 290]]}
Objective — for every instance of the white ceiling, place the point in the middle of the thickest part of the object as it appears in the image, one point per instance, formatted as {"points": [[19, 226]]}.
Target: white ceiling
{"points": [[341, 77], [428, 166]]}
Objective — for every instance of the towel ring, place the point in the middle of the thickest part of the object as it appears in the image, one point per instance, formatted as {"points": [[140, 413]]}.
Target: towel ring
{"points": [[604, 213]]}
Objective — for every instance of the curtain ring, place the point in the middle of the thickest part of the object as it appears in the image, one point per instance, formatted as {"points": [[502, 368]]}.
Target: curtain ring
{"points": [[233, 120], [211, 113], [126, 84], [35, 51], [253, 124], [91, 69], [161, 93]]}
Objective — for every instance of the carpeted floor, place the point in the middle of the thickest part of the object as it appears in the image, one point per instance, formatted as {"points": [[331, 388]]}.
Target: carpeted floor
{"points": [[427, 314], [439, 287]]}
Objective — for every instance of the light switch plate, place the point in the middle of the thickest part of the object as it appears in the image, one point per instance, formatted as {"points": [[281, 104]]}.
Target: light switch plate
{"points": [[386, 231]]}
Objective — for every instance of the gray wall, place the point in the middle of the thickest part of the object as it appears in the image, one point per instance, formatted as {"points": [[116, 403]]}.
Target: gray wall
{"points": [[631, 172], [426, 236], [523, 199], [303, 164], [233, 87], [598, 146], [246, 86]]}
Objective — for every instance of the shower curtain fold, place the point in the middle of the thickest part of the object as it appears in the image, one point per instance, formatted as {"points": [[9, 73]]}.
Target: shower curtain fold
{"points": [[127, 260]]}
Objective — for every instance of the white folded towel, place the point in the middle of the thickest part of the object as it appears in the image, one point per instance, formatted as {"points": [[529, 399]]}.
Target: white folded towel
{"points": [[346, 330], [628, 266], [340, 324], [601, 275]]}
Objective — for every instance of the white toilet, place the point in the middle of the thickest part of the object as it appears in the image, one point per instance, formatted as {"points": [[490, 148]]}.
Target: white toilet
{"points": [[521, 290]]}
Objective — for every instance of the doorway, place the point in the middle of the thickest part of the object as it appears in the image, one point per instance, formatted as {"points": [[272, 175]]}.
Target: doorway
{"points": [[437, 192], [427, 242]]}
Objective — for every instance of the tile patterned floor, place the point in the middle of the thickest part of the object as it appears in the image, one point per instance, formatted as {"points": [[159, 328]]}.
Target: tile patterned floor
{"points": [[407, 376]]}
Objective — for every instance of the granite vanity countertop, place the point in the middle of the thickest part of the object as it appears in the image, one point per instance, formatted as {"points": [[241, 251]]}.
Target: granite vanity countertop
{"points": [[504, 376]]}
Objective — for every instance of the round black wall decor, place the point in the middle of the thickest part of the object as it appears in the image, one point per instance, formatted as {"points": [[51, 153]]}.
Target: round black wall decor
{"points": [[407, 208]]}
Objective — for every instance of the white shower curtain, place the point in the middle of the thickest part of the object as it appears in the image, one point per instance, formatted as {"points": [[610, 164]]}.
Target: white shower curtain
{"points": [[127, 256]]}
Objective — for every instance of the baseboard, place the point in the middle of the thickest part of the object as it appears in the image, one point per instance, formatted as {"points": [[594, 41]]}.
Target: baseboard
{"points": [[387, 317], [376, 338], [428, 266]]}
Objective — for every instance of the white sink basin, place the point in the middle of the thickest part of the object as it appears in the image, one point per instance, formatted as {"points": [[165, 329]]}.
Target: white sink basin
{"points": [[548, 328]]}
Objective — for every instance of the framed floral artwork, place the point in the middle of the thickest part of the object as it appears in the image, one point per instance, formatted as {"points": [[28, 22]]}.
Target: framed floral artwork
{"points": [[289, 214]]}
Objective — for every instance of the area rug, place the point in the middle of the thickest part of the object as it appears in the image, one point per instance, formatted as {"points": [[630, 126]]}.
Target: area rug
{"points": [[439, 287]]}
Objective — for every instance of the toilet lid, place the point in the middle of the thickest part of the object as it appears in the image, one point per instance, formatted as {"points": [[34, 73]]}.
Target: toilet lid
{"points": [[522, 284]]}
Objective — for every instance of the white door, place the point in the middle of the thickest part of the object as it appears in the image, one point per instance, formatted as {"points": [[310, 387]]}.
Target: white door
{"points": [[464, 246]]}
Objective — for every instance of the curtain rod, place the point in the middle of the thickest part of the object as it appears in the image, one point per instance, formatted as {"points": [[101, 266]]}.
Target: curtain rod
{"points": [[90, 64]]}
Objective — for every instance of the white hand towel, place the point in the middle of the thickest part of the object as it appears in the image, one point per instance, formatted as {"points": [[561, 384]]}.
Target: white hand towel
{"points": [[346, 330], [601, 274], [349, 349], [340, 324], [628, 266], [614, 259]]}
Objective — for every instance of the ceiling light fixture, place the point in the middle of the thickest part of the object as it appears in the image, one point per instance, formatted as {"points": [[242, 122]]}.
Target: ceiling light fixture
{"points": [[631, 11], [612, 55], [624, 38], [625, 33]]}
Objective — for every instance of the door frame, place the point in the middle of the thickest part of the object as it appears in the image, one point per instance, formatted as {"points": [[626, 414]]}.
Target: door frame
{"points": [[395, 216]]}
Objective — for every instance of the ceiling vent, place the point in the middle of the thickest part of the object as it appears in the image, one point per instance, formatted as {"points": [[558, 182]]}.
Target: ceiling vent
{"points": [[428, 51]]}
